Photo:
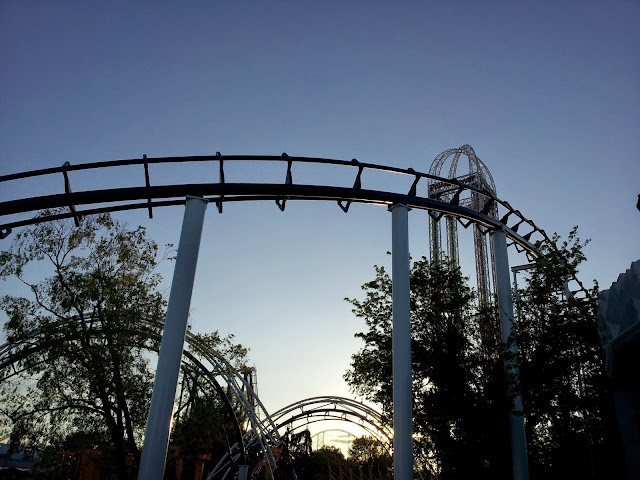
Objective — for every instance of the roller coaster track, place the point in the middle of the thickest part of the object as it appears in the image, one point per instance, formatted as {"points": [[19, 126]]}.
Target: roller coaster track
{"points": [[522, 232], [318, 409]]}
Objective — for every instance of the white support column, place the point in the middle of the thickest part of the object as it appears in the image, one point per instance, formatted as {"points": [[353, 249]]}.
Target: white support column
{"points": [[519, 458], [157, 433], [401, 347]]}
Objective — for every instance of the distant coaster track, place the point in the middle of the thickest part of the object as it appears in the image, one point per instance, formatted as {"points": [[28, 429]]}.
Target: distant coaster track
{"points": [[319, 409], [318, 438], [305, 412]]}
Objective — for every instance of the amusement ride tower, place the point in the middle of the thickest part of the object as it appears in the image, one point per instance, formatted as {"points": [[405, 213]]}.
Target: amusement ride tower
{"points": [[480, 178]]}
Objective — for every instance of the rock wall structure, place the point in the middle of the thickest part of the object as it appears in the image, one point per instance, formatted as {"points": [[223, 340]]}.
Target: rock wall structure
{"points": [[619, 329]]}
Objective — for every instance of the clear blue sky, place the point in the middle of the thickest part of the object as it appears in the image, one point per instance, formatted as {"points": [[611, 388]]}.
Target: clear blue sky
{"points": [[547, 93]]}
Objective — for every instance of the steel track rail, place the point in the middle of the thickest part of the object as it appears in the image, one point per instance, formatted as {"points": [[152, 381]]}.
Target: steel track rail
{"points": [[523, 233], [156, 196]]}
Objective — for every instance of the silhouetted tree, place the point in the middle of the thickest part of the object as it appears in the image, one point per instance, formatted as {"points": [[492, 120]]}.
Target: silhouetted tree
{"points": [[83, 367], [81, 370], [328, 463], [570, 424], [456, 372], [369, 454]]}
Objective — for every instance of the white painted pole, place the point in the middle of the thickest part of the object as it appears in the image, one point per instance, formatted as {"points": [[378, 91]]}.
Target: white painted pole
{"points": [[401, 347], [519, 458], [157, 433]]}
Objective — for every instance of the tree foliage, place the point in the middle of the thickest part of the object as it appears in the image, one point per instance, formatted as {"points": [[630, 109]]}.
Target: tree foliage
{"points": [[570, 425], [328, 463], [453, 348], [80, 335], [369, 453]]}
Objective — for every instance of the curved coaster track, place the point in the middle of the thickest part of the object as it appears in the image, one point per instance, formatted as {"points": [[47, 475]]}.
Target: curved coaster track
{"points": [[148, 196], [319, 409], [522, 232]]}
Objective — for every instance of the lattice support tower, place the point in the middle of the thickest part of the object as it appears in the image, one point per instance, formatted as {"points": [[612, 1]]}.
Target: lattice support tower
{"points": [[480, 178], [250, 387]]}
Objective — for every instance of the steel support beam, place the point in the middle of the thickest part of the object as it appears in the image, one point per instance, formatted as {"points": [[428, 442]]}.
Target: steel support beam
{"points": [[519, 458], [401, 346], [158, 429]]}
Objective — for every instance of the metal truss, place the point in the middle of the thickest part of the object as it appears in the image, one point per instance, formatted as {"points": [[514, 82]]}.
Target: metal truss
{"points": [[479, 177]]}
